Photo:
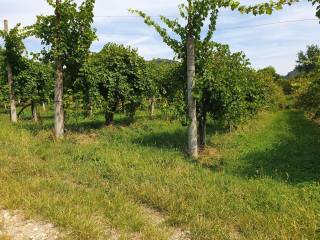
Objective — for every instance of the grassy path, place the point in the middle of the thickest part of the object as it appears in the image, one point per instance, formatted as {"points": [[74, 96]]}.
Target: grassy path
{"points": [[260, 182]]}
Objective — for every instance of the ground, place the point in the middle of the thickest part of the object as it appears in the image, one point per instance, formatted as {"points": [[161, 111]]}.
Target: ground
{"points": [[14, 226], [136, 182]]}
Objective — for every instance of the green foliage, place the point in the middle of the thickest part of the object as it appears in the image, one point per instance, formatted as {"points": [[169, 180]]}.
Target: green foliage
{"points": [[305, 85], [229, 90], [14, 46], [271, 73], [309, 95], [194, 15], [117, 73], [34, 82], [310, 60], [166, 83], [272, 89], [70, 40], [13, 55]]}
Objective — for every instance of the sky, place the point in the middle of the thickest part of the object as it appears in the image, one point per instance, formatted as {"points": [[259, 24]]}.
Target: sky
{"points": [[275, 43]]}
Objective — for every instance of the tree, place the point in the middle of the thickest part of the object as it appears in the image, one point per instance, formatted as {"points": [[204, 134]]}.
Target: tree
{"points": [[309, 95], [221, 88], [310, 60], [117, 74], [154, 72], [229, 90], [34, 84], [306, 86], [272, 89], [270, 72], [164, 81], [69, 33], [14, 49], [191, 45]]}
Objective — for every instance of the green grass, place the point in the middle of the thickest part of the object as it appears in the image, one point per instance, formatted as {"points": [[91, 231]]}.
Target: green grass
{"points": [[259, 182]]}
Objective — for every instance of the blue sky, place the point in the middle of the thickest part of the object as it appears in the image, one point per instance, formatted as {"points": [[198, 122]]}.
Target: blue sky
{"points": [[275, 45]]}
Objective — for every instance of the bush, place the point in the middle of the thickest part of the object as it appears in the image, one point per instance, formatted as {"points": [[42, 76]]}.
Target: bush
{"points": [[309, 96], [117, 75], [231, 91]]}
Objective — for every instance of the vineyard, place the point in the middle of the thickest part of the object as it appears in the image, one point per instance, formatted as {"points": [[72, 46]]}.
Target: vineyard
{"points": [[109, 145]]}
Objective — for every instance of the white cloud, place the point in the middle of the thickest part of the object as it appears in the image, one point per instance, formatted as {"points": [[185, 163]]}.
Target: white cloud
{"points": [[138, 40]]}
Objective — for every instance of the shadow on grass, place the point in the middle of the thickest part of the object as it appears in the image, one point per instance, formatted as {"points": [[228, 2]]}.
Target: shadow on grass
{"points": [[42, 125], [294, 159], [84, 126], [79, 127], [74, 124], [169, 140], [176, 139]]}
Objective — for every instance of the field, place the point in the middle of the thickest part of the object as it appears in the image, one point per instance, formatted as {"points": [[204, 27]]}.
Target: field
{"points": [[258, 182]]}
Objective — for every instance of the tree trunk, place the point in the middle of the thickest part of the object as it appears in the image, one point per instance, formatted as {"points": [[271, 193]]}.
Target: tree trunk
{"points": [[58, 100], [58, 107], [34, 111], [13, 109], [90, 111], [89, 108], [192, 107], [109, 118], [151, 106], [44, 107], [202, 130]]}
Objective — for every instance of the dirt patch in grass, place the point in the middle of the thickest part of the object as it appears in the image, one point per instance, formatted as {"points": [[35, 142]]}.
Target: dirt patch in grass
{"points": [[235, 233], [84, 139], [179, 234], [211, 152], [15, 226], [158, 219], [210, 157]]}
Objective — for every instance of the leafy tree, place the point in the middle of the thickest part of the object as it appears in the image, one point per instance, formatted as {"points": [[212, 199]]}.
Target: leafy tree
{"points": [[270, 72], [13, 55], [154, 72], [69, 34], [117, 74], [87, 84], [272, 88], [309, 96], [310, 60], [220, 87], [229, 90], [190, 45], [34, 84], [164, 81], [305, 85]]}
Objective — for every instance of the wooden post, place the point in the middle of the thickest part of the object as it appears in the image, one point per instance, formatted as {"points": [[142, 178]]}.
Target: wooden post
{"points": [[13, 109]]}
